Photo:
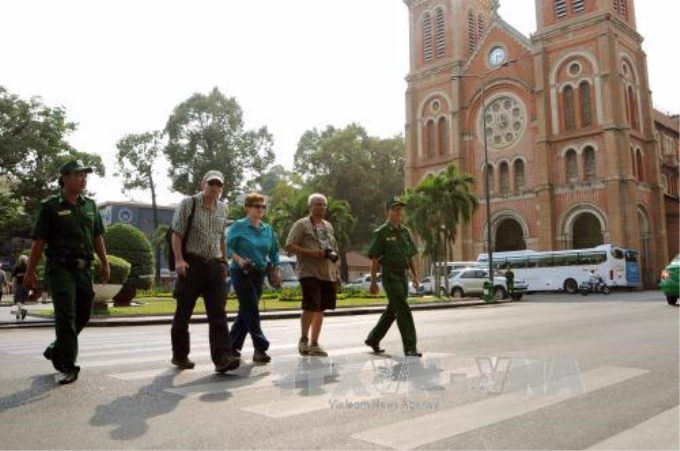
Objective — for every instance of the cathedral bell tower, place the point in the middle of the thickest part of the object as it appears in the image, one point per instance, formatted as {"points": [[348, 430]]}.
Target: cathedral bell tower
{"points": [[600, 117], [443, 36]]}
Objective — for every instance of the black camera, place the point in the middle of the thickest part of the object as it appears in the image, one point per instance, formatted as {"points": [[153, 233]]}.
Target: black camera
{"points": [[331, 255], [247, 267]]}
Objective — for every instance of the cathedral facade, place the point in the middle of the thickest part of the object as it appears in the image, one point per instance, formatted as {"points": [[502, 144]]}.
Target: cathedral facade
{"points": [[577, 154]]}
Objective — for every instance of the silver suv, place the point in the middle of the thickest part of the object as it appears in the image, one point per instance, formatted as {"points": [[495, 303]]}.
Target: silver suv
{"points": [[470, 282]]}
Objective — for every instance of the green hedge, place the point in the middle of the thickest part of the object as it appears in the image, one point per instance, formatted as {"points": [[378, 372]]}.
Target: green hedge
{"points": [[120, 269], [130, 244]]}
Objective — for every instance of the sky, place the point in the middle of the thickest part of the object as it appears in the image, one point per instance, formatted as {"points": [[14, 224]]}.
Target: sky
{"points": [[121, 66]]}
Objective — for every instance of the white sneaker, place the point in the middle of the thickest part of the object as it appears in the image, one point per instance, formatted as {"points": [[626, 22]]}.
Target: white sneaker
{"points": [[303, 346], [315, 349]]}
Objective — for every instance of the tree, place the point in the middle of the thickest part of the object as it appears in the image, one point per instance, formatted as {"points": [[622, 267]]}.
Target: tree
{"points": [[207, 132], [349, 164], [436, 207], [32, 147], [135, 161], [338, 213]]}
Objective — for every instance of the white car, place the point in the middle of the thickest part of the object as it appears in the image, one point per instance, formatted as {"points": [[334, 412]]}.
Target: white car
{"points": [[424, 288], [363, 283], [470, 282]]}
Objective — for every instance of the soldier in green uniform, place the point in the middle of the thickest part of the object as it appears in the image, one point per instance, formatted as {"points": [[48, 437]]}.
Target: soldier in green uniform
{"points": [[69, 229], [392, 250], [510, 280]]}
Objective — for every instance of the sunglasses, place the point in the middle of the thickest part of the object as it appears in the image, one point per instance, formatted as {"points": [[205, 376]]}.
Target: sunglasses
{"points": [[258, 206], [216, 183]]}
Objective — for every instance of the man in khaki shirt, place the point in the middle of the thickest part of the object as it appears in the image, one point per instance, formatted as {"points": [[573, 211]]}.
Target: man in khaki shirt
{"points": [[313, 241]]}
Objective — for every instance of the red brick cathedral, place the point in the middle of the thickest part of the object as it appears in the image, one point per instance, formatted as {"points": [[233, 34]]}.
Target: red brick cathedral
{"points": [[578, 155]]}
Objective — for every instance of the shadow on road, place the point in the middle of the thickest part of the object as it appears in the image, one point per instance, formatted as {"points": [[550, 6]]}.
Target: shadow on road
{"points": [[131, 414], [39, 390]]}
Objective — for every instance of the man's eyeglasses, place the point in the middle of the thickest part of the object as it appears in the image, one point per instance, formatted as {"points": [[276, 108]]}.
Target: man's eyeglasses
{"points": [[259, 206], [216, 183], [319, 205]]}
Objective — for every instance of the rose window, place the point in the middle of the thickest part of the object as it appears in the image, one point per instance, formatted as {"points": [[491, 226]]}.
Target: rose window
{"points": [[505, 119]]}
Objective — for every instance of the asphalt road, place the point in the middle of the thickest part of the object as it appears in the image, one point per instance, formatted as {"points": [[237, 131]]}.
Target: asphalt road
{"points": [[551, 372]]}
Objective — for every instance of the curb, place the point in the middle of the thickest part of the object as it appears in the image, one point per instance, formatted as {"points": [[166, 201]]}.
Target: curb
{"points": [[271, 315]]}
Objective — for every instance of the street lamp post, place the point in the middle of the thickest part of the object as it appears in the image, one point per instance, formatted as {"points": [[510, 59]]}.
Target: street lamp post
{"points": [[486, 186], [486, 166]]}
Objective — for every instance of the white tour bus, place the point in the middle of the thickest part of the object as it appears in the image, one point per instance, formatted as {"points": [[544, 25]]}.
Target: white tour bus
{"points": [[565, 270]]}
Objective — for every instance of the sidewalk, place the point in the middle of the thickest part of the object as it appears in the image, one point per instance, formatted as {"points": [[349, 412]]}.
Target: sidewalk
{"points": [[8, 321]]}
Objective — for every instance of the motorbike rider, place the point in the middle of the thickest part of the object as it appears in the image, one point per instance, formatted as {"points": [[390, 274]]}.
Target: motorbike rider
{"points": [[595, 280]]}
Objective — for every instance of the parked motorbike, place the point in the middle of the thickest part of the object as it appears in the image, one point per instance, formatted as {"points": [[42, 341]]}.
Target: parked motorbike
{"points": [[593, 287]]}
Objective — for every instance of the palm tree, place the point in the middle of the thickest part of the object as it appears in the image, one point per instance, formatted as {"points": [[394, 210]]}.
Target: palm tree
{"points": [[436, 207]]}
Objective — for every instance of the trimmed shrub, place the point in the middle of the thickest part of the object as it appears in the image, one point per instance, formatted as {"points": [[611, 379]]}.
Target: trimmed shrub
{"points": [[130, 244], [120, 269], [291, 294]]}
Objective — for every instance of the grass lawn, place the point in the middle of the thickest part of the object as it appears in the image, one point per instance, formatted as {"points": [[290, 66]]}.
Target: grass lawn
{"points": [[166, 306]]}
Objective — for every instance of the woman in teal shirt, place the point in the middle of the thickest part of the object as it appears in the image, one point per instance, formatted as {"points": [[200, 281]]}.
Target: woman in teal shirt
{"points": [[251, 246]]}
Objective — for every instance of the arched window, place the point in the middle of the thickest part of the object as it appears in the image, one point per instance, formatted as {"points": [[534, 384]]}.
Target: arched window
{"points": [[639, 163], [492, 181], [427, 38], [578, 6], [442, 135], [569, 116], [505, 178], [430, 138], [472, 34], [481, 27], [560, 8], [586, 108], [589, 168], [440, 33], [632, 109], [519, 175], [572, 168], [636, 172]]}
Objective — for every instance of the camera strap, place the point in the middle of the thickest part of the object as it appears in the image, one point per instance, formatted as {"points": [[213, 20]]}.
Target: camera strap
{"points": [[331, 240]]}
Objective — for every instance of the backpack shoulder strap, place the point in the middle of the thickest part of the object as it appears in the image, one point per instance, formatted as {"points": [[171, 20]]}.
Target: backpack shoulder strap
{"points": [[190, 221]]}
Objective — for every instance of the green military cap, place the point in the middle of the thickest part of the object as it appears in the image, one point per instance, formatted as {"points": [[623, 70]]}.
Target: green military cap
{"points": [[74, 166], [394, 201]]}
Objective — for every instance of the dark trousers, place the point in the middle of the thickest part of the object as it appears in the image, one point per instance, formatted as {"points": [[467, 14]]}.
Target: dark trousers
{"points": [[396, 288], [72, 296], [203, 278], [248, 289]]}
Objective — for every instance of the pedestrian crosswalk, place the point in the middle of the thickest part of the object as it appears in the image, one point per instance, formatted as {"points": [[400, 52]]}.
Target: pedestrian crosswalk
{"points": [[418, 396]]}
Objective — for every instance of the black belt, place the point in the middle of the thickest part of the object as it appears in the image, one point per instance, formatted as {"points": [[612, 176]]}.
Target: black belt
{"points": [[72, 263], [394, 270]]}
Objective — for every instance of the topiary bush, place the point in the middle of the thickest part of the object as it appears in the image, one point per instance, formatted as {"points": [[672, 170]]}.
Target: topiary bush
{"points": [[119, 270], [130, 244]]}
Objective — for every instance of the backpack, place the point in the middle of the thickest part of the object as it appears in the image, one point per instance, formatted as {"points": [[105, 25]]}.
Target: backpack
{"points": [[171, 231]]}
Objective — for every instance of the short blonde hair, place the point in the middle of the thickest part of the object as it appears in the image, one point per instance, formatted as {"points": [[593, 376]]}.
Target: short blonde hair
{"points": [[252, 199]]}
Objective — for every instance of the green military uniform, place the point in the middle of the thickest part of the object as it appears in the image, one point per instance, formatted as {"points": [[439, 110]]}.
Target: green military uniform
{"points": [[68, 231], [510, 281], [393, 247]]}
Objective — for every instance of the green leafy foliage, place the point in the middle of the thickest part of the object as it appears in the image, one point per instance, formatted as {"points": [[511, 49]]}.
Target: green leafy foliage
{"points": [[207, 132], [119, 270], [130, 244], [436, 207], [33, 145], [348, 164]]}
